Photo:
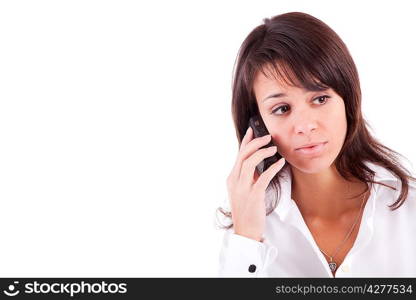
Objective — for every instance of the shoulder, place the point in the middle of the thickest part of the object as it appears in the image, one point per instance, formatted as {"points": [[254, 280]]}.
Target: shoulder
{"points": [[386, 197], [388, 188]]}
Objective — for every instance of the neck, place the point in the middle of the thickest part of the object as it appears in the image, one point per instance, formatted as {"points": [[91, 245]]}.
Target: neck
{"points": [[326, 195]]}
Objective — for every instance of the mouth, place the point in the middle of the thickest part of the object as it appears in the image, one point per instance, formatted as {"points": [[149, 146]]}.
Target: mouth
{"points": [[312, 150]]}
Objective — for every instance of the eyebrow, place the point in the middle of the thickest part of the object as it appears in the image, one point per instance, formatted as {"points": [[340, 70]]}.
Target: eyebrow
{"points": [[277, 95]]}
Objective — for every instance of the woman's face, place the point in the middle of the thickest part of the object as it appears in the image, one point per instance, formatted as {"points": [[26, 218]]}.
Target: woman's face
{"points": [[298, 117]]}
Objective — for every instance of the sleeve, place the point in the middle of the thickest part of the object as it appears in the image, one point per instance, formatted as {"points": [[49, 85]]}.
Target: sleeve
{"points": [[244, 257]]}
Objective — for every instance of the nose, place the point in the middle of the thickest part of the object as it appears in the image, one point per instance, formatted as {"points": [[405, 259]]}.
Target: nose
{"points": [[305, 125]]}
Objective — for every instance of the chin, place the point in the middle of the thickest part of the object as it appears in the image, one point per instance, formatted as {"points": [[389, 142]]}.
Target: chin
{"points": [[311, 166]]}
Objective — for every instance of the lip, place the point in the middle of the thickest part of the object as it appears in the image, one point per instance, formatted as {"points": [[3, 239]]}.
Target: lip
{"points": [[316, 149], [309, 145]]}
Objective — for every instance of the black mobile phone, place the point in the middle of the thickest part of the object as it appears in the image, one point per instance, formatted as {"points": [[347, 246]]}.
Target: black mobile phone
{"points": [[259, 130]]}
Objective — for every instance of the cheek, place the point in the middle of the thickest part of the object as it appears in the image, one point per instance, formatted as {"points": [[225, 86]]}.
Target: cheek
{"points": [[337, 125], [281, 140]]}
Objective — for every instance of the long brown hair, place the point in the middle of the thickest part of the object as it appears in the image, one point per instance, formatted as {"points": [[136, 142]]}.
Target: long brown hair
{"points": [[305, 52]]}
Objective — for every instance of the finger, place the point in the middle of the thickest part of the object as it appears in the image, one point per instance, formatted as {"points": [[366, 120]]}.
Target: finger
{"points": [[247, 137], [250, 146], [267, 176], [249, 165], [256, 175], [234, 174]]}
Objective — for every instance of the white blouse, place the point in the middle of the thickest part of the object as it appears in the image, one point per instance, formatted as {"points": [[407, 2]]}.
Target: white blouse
{"points": [[385, 245]]}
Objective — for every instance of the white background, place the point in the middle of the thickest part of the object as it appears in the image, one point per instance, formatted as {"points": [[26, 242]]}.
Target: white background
{"points": [[116, 135]]}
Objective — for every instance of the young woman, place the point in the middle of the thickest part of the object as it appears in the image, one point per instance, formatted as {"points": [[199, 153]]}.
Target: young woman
{"points": [[339, 203]]}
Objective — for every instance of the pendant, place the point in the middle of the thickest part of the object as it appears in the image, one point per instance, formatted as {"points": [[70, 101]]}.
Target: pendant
{"points": [[332, 266]]}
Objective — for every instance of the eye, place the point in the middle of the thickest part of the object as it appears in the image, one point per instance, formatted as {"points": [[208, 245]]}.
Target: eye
{"points": [[322, 100], [277, 109], [322, 97]]}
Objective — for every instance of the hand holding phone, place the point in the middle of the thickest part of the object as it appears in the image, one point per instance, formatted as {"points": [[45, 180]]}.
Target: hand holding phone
{"points": [[247, 189]]}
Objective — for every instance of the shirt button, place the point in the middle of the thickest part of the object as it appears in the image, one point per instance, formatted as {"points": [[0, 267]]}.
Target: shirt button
{"points": [[252, 268], [345, 268]]}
